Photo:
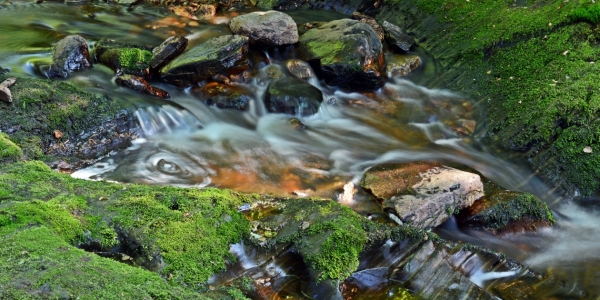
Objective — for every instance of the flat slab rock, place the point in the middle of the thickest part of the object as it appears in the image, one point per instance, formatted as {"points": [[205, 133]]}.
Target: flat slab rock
{"points": [[423, 194]]}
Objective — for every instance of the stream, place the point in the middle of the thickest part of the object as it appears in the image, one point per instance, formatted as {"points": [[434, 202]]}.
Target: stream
{"points": [[188, 143]]}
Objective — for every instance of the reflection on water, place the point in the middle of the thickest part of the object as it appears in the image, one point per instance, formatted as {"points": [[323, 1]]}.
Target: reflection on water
{"points": [[191, 144]]}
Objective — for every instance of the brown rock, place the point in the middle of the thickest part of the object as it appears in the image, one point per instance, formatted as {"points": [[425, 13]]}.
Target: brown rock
{"points": [[139, 84], [5, 94], [423, 194], [57, 134]]}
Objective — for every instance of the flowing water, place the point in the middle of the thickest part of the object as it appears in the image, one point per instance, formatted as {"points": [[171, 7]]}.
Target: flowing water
{"points": [[188, 143]]}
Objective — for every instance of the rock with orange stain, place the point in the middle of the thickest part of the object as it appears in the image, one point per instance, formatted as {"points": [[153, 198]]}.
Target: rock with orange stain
{"points": [[140, 85]]}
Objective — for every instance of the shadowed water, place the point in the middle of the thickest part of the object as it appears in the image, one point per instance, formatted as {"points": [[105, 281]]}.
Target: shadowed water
{"points": [[190, 144]]}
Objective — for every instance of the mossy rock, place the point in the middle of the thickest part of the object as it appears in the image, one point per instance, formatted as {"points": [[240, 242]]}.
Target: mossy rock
{"points": [[506, 212], [189, 229], [54, 118], [124, 57], [327, 235]]}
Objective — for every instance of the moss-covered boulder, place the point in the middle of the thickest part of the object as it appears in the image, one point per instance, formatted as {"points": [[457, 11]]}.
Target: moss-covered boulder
{"points": [[123, 57], [53, 118], [220, 55], [347, 52], [9, 151], [504, 211]]}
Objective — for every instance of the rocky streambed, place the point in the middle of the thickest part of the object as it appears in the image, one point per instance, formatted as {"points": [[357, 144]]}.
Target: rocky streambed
{"points": [[263, 104]]}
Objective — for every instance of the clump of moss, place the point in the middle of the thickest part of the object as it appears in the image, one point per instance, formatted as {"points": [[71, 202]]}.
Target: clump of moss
{"points": [[586, 14], [133, 59], [524, 205], [9, 151], [328, 236]]}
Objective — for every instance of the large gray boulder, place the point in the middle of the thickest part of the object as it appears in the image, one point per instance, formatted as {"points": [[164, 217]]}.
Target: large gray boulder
{"points": [[70, 54], [219, 55], [271, 28], [347, 52], [423, 194]]}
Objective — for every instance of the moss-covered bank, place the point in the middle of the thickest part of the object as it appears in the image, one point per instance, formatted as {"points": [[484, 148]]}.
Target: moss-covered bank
{"points": [[530, 65]]}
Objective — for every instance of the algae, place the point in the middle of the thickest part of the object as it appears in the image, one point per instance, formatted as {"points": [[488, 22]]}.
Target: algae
{"points": [[524, 205]]}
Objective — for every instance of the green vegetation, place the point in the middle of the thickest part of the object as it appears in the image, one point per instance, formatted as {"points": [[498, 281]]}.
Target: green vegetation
{"points": [[532, 67], [586, 14], [9, 151], [133, 59], [524, 205], [329, 236], [191, 229], [40, 107]]}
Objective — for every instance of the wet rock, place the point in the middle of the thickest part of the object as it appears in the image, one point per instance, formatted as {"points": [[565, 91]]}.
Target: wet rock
{"points": [[140, 85], [369, 21], [296, 124], [503, 211], [224, 96], [167, 51], [396, 38], [292, 96], [5, 94], [300, 69], [423, 194], [304, 27], [224, 54], [123, 57], [70, 54], [91, 126], [266, 29], [348, 53], [401, 65]]}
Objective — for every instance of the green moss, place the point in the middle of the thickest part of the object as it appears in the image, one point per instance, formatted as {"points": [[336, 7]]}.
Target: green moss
{"points": [[9, 151], [524, 205], [38, 264], [42, 106], [190, 228], [132, 59], [586, 14], [332, 241], [327, 52], [531, 68]]}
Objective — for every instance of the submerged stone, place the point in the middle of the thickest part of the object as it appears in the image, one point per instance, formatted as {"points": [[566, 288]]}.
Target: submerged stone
{"points": [[347, 52], [69, 55], [224, 96], [399, 65], [167, 51], [271, 28], [224, 54], [292, 96], [140, 85], [300, 69], [422, 194], [396, 37]]}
